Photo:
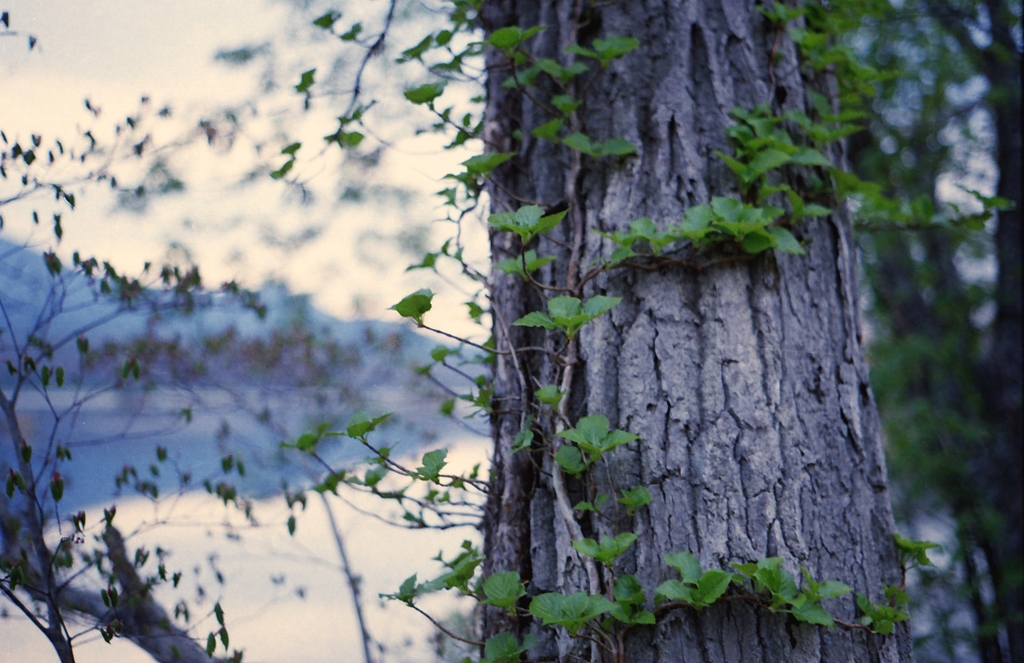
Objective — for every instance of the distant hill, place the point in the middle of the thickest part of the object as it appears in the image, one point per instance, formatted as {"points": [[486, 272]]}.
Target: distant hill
{"points": [[214, 382]]}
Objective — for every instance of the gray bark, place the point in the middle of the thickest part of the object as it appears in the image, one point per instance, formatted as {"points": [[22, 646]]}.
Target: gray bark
{"points": [[745, 380]]}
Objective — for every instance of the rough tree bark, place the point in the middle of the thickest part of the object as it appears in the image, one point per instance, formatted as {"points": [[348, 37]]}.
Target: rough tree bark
{"points": [[745, 380]]}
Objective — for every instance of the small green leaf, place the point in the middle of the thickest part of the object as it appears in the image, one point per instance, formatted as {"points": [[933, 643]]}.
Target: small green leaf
{"points": [[913, 551], [813, 209], [581, 143], [697, 222], [535, 319], [564, 307], [570, 459], [713, 584], [599, 305], [634, 498], [415, 305], [614, 47], [506, 38], [812, 613], [327, 20], [548, 130], [784, 240], [504, 590], [810, 157], [617, 146], [504, 648], [433, 463], [524, 438], [767, 160], [608, 550], [306, 81], [629, 591], [565, 103], [550, 395], [525, 222], [426, 93], [687, 564], [362, 423], [572, 611], [674, 590], [483, 164], [832, 589], [759, 240], [352, 33]]}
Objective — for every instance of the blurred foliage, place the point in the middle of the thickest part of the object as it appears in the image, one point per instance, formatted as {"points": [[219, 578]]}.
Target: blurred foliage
{"points": [[944, 311]]}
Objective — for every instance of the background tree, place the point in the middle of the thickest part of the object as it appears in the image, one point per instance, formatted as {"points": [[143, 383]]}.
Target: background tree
{"points": [[946, 302]]}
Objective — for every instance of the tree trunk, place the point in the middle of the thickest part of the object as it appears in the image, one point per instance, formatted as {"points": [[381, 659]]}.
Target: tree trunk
{"points": [[745, 380], [1002, 472]]}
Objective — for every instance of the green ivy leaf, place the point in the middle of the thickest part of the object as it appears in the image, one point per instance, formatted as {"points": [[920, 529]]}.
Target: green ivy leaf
{"points": [[784, 240], [808, 156], [758, 241], [686, 563], [570, 459], [767, 160], [811, 612], [628, 590], [571, 611], [712, 584], [504, 590], [617, 146], [527, 222], [504, 648], [614, 46], [524, 438], [508, 39], [674, 590], [697, 222], [813, 209], [536, 319], [634, 498], [593, 437], [581, 143], [515, 264], [550, 395], [548, 130], [565, 103], [599, 305], [913, 551], [608, 550]]}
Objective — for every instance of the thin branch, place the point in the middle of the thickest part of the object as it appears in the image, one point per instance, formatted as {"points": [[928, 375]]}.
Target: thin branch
{"points": [[446, 631], [353, 582]]}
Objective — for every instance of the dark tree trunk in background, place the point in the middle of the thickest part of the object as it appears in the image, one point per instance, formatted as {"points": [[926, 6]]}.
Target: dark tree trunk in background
{"points": [[1001, 471], [745, 381]]}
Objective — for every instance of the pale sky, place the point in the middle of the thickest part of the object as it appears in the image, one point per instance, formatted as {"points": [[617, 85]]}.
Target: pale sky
{"points": [[115, 51]]}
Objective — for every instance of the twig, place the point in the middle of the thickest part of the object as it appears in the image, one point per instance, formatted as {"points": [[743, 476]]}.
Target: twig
{"points": [[443, 629], [353, 582]]}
